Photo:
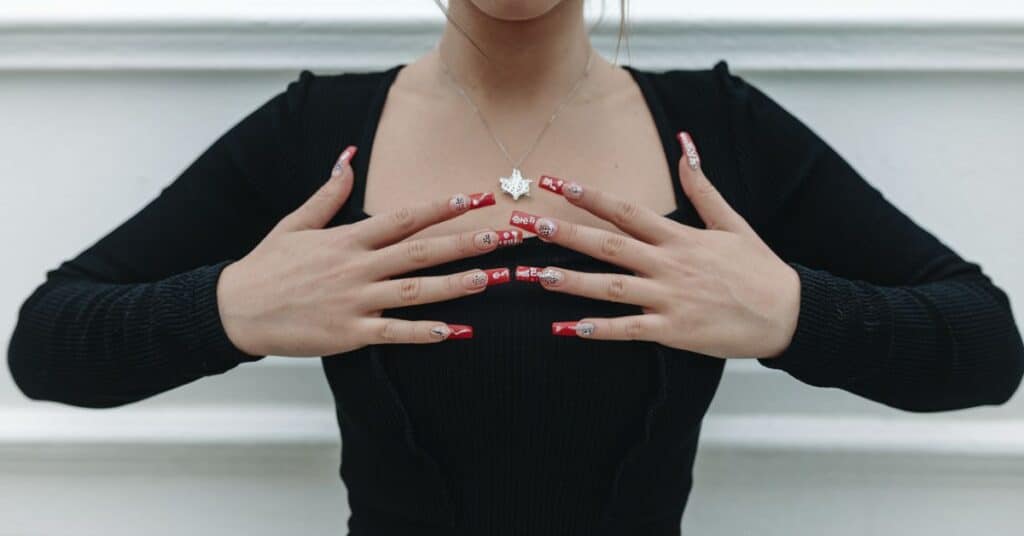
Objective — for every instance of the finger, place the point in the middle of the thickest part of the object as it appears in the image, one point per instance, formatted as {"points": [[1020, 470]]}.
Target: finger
{"points": [[645, 327], [620, 288], [377, 330], [712, 207], [396, 225], [414, 254], [609, 246], [418, 290], [318, 210], [626, 214]]}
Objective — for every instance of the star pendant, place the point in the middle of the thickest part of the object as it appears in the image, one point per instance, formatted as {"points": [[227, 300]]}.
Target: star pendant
{"points": [[515, 185]]}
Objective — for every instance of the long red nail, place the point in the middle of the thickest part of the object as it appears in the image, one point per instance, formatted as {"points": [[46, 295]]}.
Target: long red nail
{"points": [[564, 329], [689, 150], [551, 183], [509, 237], [523, 220], [460, 331], [481, 199], [497, 276], [528, 273]]}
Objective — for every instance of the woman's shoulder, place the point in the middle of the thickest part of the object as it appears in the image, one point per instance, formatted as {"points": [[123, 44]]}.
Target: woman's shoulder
{"points": [[311, 92]]}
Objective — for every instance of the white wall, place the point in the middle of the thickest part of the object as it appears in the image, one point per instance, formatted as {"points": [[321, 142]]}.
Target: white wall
{"points": [[103, 104]]}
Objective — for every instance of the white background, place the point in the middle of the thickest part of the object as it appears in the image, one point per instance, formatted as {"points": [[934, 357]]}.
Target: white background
{"points": [[104, 103]]}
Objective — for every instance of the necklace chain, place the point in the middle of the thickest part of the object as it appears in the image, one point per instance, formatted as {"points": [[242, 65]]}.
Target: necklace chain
{"points": [[487, 126]]}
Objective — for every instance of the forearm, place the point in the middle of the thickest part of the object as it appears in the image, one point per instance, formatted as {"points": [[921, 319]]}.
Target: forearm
{"points": [[942, 345], [96, 344]]}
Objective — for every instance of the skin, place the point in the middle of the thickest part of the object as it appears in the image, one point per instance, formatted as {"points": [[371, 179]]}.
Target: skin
{"points": [[310, 291]]}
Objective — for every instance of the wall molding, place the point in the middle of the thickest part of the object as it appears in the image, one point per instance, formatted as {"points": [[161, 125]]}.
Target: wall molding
{"points": [[152, 432], [665, 35]]}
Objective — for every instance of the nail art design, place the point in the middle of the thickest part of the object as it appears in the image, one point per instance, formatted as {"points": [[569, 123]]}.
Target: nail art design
{"points": [[460, 331], [523, 220], [553, 184], [497, 276], [572, 190], [528, 273], [476, 279], [550, 276], [485, 239], [585, 329], [509, 237], [546, 227], [346, 155], [481, 199], [690, 150], [564, 329], [440, 332]]}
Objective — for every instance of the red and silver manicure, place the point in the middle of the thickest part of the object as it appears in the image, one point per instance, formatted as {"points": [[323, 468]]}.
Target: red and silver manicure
{"points": [[497, 276], [509, 237]]}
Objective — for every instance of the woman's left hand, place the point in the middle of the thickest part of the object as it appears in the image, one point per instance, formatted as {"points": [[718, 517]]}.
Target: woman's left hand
{"points": [[719, 291]]}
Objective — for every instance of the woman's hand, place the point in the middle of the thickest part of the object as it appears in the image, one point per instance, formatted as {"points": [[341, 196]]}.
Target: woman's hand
{"points": [[718, 291], [310, 291]]}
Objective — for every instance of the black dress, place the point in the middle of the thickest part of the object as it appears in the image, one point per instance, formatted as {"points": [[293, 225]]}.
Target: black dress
{"points": [[515, 431]]}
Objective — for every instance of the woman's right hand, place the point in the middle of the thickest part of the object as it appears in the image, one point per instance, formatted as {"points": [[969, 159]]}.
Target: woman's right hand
{"points": [[309, 291]]}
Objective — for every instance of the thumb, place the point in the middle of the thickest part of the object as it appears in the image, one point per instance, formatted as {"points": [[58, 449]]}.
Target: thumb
{"points": [[712, 207], [318, 210]]}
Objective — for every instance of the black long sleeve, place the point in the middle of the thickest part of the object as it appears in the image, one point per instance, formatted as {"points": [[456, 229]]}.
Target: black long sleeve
{"points": [[887, 310], [136, 313]]}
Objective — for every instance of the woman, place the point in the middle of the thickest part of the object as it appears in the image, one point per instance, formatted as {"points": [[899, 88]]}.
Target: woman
{"points": [[663, 221]]}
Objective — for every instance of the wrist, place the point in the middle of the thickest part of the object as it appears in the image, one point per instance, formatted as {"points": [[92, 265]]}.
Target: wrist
{"points": [[234, 322], [788, 314]]}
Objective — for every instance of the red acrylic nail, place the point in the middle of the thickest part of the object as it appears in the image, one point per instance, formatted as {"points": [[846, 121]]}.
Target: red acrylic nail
{"points": [[481, 199], [460, 331], [523, 220], [565, 329], [551, 183], [509, 237], [528, 273], [497, 276]]}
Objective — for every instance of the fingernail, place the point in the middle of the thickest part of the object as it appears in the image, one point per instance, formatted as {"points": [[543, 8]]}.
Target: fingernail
{"points": [[528, 273], [572, 329], [546, 228], [459, 202], [441, 332], [553, 184], [509, 237], [573, 190], [485, 239], [460, 331], [481, 199], [497, 276], [475, 280], [689, 150], [523, 220], [346, 155], [550, 276]]}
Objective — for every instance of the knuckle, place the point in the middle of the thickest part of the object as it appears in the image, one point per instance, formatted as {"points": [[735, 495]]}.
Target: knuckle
{"points": [[403, 218], [633, 328], [612, 244], [417, 251], [616, 287], [391, 331], [625, 211], [409, 290]]}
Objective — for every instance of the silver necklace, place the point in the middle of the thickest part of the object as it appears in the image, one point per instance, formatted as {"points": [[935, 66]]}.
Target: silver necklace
{"points": [[516, 184]]}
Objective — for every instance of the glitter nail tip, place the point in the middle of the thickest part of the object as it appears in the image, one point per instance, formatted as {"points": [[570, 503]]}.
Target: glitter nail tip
{"points": [[497, 276], [528, 273], [553, 184]]}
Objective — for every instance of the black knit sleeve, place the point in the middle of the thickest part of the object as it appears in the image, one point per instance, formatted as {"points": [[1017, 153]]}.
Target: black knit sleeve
{"points": [[135, 314], [887, 311]]}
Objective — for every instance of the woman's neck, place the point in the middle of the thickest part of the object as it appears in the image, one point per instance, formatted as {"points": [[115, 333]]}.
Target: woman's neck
{"points": [[525, 60]]}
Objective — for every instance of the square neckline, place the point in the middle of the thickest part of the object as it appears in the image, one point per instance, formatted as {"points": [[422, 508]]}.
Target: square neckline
{"points": [[361, 162]]}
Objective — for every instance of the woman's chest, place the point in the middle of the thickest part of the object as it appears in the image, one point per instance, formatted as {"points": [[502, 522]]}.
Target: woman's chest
{"points": [[422, 152]]}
